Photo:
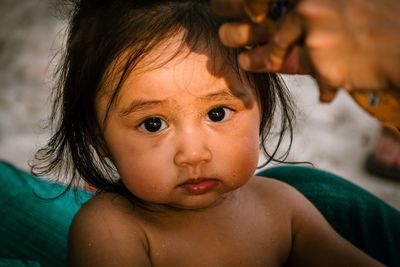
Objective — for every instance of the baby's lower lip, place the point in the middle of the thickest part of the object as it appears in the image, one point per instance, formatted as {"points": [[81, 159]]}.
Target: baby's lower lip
{"points": [[199, 186]]}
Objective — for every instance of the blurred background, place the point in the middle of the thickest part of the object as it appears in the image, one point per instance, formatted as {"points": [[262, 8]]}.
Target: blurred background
{"points": [[335, 137]]}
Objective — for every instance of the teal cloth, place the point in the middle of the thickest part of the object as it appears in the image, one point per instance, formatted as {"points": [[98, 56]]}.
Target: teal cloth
{"points": [[18, 263], [33, 231], [357, 215]]}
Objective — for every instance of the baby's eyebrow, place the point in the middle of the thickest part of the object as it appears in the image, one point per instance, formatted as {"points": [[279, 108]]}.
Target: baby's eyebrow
{"points": [[137, 105], [223, 94], [140, 104]]}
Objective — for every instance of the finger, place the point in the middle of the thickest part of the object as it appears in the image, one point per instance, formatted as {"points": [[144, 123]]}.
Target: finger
{"points": [[295, 62], [327, 93], [319, 9], [288, 31], [239, 34], [254, 60], [228, 8]]}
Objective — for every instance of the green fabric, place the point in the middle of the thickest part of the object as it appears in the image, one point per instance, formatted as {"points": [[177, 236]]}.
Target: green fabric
{"points": [[360, 217], [18, 263], [32, 228]]}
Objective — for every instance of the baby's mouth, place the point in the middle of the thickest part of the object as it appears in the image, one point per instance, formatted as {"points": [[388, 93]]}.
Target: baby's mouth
{"points": [[199, 186]]}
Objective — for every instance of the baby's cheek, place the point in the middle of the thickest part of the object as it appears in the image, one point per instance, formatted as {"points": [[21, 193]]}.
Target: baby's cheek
{"points": [[245, 156], [142, 184]]}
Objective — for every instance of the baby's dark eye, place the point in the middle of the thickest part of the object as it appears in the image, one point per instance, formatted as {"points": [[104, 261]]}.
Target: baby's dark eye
{"points": [[218, 114], [153, 125]]}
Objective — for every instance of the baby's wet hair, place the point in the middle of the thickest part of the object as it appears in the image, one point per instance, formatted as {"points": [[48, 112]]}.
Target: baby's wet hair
{"points": [[101, 35]]}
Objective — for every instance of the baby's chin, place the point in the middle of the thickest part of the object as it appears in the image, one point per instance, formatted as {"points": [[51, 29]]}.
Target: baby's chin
{"points": [[199, 202]]}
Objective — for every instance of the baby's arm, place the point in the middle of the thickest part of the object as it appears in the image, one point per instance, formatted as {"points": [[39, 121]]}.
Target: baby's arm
{"points": [[103, 235], [315, 243]]}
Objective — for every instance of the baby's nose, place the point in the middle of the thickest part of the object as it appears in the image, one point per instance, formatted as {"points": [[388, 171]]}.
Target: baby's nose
{"points": [[192, 148]]}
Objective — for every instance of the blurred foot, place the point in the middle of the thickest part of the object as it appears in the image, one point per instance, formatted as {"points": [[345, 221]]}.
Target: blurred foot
{"points": [[384, 161]]}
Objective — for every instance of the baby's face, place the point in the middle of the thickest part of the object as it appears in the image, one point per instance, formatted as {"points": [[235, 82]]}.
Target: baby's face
{"points": [[181, 136]]}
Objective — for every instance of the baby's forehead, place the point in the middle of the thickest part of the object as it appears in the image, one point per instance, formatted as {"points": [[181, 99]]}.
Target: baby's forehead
{"points": [[172, 51], [189, 69], [167, 54]]}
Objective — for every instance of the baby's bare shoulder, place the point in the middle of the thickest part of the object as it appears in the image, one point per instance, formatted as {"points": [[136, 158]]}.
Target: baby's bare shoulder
{"points": [[107, 212], [271, 186], [107, 202], [104, 207], [270, 190], [103, 229]]}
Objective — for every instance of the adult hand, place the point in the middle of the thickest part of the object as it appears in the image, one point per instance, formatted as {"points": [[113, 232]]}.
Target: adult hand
{"points": [[351, 44]]}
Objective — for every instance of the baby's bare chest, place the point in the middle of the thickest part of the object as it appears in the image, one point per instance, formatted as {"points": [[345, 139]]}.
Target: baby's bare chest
{"points": [[235, 241]]}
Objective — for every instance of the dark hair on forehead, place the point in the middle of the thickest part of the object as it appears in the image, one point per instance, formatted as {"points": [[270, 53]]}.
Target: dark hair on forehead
{"points": [[100, 33]]}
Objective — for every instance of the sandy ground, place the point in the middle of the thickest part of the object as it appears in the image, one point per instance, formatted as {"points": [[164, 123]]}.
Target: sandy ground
{"points": [[335, 137]]}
